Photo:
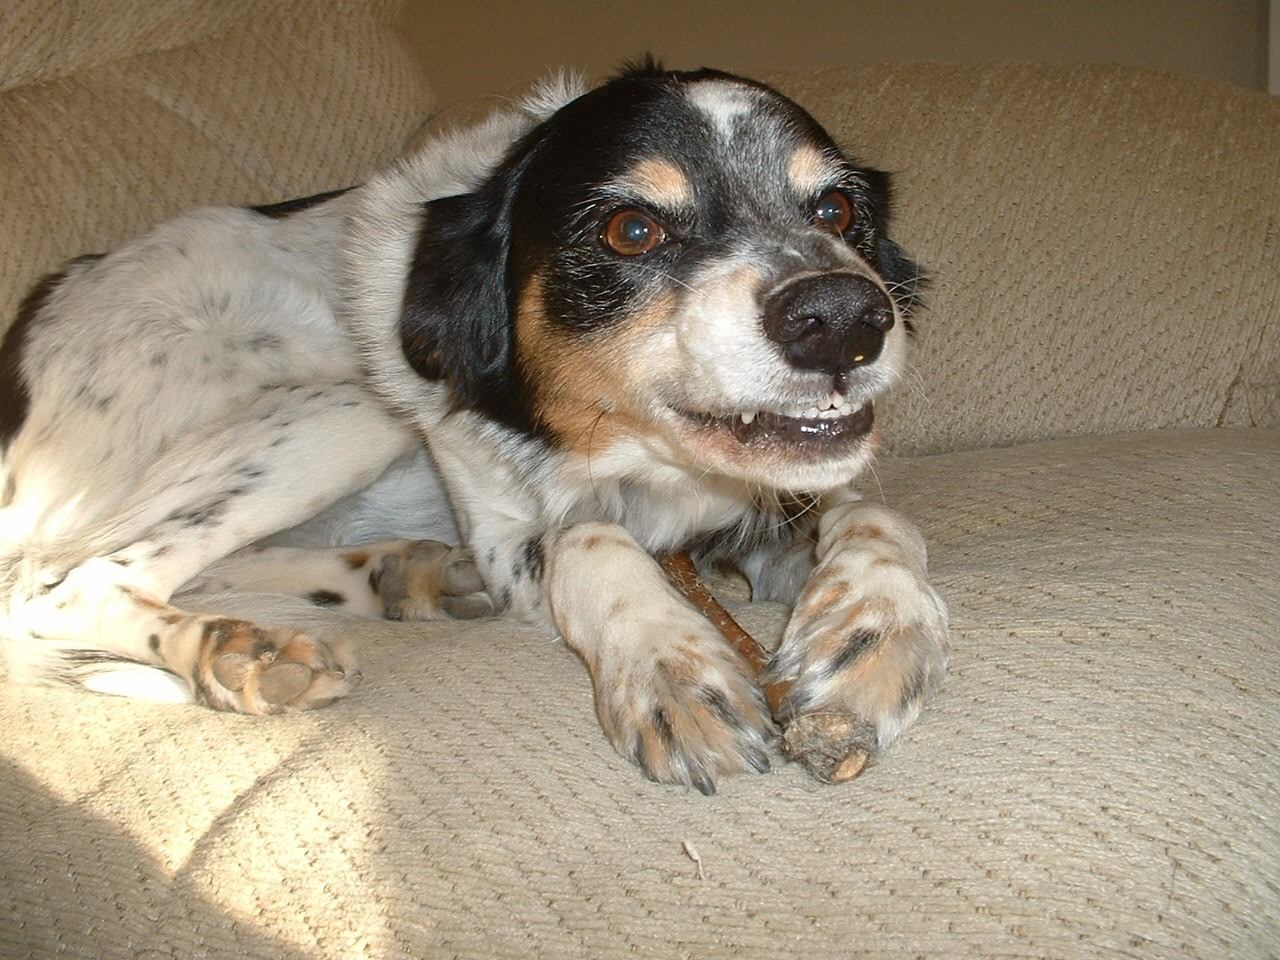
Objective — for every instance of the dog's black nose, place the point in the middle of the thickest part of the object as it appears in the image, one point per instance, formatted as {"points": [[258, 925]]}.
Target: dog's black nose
{"points": [[829, 323]]}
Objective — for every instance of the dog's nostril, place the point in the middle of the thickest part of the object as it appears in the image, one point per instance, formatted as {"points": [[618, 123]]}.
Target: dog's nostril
{"points": [[793, 328], [830, 322], [881, 318]]}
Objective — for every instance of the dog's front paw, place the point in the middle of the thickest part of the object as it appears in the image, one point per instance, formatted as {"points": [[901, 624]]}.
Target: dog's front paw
{"points": [[689, 714], [854, 691], [866, 646], [430, 580], [244, 668]]}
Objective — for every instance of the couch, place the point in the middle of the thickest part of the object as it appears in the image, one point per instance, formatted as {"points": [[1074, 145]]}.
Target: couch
{"points": [[1089, 438]]}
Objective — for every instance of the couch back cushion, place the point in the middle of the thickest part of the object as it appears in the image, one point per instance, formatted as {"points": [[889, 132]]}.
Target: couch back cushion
{"points": [[116, 115], [1104, 245]]}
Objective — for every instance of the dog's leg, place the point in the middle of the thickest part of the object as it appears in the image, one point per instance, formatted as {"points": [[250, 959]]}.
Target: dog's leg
{"points": [[865, 646], [671, 694], [395, 579], [95, 608]]}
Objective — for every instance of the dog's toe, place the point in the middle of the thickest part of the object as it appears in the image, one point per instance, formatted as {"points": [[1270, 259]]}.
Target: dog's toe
{"points": [[244, 668], [690, 718], [430, 580]]}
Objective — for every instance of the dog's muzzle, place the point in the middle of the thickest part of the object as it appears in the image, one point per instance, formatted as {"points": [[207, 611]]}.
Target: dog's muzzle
{"points": [[829, 323]]}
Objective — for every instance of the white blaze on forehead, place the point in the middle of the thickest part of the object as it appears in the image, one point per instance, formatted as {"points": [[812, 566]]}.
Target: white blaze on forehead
{"points": [[723, 101]]}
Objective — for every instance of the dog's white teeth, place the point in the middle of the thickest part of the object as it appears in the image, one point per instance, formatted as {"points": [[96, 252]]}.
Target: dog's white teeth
{"points": [[834, 408], [837, 408]]}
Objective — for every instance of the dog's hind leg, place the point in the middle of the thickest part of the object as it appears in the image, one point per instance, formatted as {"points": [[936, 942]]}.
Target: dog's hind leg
{"points": [[394, 579], [95, 607]]}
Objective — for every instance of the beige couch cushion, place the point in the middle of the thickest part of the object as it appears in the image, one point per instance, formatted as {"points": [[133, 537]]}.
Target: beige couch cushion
{"points": [[1098, 776], [1103, 241], [1099, 772], [116, 120]]}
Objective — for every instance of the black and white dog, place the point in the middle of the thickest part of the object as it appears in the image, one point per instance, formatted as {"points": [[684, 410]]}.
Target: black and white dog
{"points": [[648, 317]]}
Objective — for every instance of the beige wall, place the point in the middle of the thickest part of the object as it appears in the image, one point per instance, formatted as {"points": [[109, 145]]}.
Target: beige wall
{"points": [[1274, 83], [477, 46]]}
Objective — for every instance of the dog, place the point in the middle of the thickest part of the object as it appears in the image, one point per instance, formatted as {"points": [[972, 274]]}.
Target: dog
{"points": [[651, 316]]}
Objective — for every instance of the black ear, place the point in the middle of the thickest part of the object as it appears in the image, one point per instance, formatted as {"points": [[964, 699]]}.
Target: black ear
{"points": [[455, 323], [905, 278]]}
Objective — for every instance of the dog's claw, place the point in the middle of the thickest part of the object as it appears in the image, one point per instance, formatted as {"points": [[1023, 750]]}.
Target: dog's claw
{"points": [[704, 784]]}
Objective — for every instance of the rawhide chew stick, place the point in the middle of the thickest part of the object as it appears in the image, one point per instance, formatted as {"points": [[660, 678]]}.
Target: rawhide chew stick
{"points": [[683, 575]]}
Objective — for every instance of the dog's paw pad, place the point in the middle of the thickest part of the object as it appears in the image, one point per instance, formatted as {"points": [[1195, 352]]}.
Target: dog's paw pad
{"points": [[284, 682], [247, 669], [472, 607], [430, 580]]}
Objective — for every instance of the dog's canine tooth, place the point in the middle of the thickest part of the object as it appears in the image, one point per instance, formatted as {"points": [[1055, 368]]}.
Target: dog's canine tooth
{"points": [[747, 418]]}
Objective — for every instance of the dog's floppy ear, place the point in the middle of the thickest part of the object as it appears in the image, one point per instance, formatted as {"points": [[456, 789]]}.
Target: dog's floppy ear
{"points": [[906, 278], [455, 322]]}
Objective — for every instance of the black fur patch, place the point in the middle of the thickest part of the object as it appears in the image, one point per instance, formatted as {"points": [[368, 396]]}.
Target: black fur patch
{"points": [[326, 598], [853, 650], [15, 399], [278, 211], [535, 557], [455, 323]]}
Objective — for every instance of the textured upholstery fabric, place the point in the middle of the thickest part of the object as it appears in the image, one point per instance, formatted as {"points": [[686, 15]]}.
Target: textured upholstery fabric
{"points": [[1098, 776], [117, 115], [1104, 245]]}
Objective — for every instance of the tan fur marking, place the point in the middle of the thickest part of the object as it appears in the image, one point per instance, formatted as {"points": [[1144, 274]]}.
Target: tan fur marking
{"points": [[809, 169], [856, 532], [356, 559], [821, 601], [861, 616], [660, 182], [686, 668], [581, 391]]}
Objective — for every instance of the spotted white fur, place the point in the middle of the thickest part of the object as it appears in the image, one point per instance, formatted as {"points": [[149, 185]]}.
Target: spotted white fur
{"points": [[232, 400]]}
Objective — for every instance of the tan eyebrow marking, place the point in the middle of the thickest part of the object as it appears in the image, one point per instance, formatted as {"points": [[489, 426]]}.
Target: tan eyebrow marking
{"points": [[810, 169], [660, 182]]}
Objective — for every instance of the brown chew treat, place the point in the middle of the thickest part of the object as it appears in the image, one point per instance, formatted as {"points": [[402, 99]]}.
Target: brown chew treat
{"points": [[683, 575]]}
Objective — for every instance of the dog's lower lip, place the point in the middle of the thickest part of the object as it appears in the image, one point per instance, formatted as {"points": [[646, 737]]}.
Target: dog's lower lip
{"points": [[776, 428]]}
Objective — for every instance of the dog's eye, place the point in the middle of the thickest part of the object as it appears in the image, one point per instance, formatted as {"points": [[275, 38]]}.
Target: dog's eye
{"points": [[833, 213], [630, 233]]}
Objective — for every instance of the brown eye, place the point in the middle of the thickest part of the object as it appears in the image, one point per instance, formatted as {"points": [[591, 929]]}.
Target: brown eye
{"points": [[629, 233], [833, 213]]}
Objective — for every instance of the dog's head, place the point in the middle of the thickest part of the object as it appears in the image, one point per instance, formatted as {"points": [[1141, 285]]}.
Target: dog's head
{"points": [[680, 260]]}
